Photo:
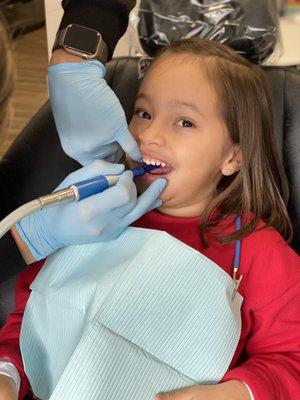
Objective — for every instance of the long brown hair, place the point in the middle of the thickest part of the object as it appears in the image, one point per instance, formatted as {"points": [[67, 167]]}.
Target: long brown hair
{"points": [[6, 77], [259, 190]]}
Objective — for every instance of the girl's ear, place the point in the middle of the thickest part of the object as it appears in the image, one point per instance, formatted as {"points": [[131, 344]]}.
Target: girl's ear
{"points": [[233, 162]]}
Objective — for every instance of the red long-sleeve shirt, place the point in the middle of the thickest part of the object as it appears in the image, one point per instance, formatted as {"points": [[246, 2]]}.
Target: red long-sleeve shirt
{"points": [[268, 354]]}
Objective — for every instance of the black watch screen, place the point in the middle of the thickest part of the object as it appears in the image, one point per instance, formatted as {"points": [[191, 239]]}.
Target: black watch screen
{"points": [[82, 39]]}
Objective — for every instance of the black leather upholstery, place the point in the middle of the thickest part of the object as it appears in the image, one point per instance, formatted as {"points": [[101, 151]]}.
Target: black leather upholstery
{"points": [[35, 164]]}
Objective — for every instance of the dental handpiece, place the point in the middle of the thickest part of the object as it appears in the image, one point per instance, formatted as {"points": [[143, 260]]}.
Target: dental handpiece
{"points": [[76, 192], [81, 190]]}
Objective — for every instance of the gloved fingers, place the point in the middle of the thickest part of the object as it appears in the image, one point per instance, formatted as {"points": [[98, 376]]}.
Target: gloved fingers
{"points": [[102, 119], [154, 205], [100, 205], [126, 190], [101, 152], [84, 157], [130, 188], [128, 144], [157, 203], [122, 211], [117, 156], [147, 201], [96, 168]]}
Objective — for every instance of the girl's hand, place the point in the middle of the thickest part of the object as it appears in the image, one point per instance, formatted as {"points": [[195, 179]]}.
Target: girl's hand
{"points": [[231, 390], [8, 390]]}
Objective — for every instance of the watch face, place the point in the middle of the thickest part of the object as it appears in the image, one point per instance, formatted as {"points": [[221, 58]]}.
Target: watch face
{"points": [[81, 39]]}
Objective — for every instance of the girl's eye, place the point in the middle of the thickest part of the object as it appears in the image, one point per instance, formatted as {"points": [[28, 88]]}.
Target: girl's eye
{"points": [[185, 123], [143, 114]]}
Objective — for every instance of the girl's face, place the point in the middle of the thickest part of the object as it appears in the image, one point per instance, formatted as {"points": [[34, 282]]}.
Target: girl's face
{"points": [[176, 122]]}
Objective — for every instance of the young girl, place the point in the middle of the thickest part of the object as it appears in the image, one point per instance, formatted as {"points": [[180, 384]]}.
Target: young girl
{"points": [[204, 115]]}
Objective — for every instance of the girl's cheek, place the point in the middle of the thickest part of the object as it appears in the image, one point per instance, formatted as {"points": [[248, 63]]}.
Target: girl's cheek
{"points": [[133, 131], [131, 128]]}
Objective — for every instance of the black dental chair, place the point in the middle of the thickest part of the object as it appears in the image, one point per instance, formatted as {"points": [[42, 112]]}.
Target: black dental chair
{"points": [[35, 163]]}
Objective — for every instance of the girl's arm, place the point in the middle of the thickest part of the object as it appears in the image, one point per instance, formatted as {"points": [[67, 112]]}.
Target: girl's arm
{"points": [[231, 390], [272, 366], [10, 333], [272, 369]]}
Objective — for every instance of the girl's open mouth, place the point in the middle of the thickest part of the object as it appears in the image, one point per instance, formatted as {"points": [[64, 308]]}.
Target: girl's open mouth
{"points": [[162, 167]]}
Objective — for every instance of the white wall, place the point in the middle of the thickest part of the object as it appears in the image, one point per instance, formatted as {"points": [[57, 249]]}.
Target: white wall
{"points": [[288, 52], [53, 13], [290, 40]]}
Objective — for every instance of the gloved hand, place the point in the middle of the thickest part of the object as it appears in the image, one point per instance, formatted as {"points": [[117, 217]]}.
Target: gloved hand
{"points": [[98, 218], [88, 115]]}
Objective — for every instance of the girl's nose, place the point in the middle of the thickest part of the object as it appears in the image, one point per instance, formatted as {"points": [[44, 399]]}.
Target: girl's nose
{"points": [[152, 135]]}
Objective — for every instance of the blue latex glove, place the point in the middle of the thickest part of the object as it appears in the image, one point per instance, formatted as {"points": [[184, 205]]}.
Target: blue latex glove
{"points": [[88, 115], [98, 218]]}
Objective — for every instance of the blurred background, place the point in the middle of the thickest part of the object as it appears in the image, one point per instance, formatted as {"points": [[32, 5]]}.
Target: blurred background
{"points": [[32, 25]]}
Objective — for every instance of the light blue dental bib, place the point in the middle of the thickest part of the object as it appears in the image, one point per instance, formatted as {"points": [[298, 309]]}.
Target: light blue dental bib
{"points": [[127, 319]]}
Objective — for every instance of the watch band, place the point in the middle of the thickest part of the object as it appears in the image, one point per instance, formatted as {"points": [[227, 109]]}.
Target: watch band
{"points": [[59, 40], [101, 54]]}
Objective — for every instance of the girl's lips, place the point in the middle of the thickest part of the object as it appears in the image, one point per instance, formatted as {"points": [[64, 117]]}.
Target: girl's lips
{"points": [[161, 171]]}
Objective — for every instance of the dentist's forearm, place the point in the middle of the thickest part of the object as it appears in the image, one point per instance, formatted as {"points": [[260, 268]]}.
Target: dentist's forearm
{"points": [[109, 17]]}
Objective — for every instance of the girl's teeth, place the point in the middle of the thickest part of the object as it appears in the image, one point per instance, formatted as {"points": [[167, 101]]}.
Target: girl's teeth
{"points": [[154, 162]]}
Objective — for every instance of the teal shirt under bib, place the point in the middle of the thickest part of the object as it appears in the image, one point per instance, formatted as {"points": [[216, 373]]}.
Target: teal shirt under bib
{"points": [[127, 319]]}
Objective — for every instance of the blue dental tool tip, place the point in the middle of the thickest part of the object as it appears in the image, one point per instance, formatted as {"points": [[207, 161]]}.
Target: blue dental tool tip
{"points": [[92, 186], [143, 170]]}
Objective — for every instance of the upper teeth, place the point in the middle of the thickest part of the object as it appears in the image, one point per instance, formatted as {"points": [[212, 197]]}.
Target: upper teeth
{"points": [[153, 161]]}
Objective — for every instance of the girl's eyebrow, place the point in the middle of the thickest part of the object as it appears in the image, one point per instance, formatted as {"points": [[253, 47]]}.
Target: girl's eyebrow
{"points": [[191, 106], [181, 103], [174, 103], [142, 96]]}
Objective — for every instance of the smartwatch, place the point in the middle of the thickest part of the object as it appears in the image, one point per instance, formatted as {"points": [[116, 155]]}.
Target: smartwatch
{"points": [[81, 41]]}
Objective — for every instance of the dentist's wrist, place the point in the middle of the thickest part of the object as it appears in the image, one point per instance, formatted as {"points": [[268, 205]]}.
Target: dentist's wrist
{"points": [[60, 56], [107, 17], [34, 232], [23, 248]]}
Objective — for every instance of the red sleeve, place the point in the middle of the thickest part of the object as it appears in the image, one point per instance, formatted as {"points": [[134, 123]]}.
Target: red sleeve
{"points": [[272, 365], [10, 333]]}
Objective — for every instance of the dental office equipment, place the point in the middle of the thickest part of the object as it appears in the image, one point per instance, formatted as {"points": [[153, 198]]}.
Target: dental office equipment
{"points": [[76, 192]]}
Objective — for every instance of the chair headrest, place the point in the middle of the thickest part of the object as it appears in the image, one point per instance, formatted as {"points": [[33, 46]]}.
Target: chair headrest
{"points": [[248, 26]]}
